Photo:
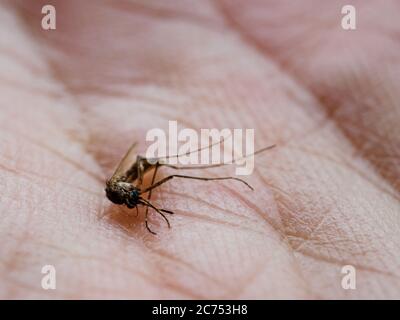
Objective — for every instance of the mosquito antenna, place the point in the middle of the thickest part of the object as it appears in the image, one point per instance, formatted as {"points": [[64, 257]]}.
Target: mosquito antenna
{"points": [[191, 152], [220, 164]]}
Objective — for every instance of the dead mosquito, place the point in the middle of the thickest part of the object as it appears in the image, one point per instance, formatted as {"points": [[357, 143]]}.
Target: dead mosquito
{"points": [[125, 187]]}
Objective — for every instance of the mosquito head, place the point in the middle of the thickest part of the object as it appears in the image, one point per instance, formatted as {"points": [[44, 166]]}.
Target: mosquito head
{"points": [[122, 193]]}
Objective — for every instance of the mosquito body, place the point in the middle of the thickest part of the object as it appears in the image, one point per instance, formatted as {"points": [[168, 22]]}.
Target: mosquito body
{"points": [[125, 187]]}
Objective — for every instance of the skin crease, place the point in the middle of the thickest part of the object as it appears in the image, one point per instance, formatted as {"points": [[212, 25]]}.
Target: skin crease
{"points": [[73, 100]]}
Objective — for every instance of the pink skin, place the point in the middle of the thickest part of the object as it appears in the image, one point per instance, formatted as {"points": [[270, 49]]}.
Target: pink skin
{"points": [[74, 99]]}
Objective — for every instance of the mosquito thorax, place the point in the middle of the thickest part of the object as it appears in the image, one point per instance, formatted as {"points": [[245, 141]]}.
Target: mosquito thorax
{"points": [[122, 193]]}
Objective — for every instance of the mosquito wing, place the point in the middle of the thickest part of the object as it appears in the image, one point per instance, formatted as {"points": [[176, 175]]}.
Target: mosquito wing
{"points": [[126, 163], [165, 158]]}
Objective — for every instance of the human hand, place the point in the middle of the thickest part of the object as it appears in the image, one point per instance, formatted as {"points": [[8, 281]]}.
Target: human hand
{"points": [[74, 99]]}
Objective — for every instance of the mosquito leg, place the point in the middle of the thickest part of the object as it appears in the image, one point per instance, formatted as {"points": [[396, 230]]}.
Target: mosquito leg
{"points": [[152, 182], [167, 211], [162, 181], [160, 211], [137, 211], [194, 167], [147, 217], [163, 215], [147, 225], [140, 171], [218, 164], [190, 152], [153, 179]]}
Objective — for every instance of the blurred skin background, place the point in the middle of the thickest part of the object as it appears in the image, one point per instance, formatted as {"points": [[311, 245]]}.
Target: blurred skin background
{"points": [[73, 100]]}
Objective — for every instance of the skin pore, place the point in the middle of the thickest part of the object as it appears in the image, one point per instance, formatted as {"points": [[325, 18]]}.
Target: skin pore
{"points": [[73, 99]]}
